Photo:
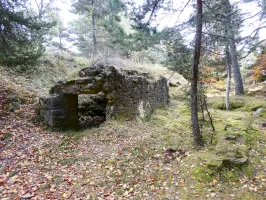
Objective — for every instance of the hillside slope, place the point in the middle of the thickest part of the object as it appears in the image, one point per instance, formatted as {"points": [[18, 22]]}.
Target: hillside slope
{"points": [[152, 159]]}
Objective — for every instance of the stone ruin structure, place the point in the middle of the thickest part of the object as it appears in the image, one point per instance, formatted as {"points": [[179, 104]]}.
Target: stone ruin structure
{"points": [[112, 93]]}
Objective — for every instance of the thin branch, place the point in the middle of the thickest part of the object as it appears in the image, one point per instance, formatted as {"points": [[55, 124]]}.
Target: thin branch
{"points": [[171, 76], [183, 10], [153, 10], [250, 16], [213, 52], [248, 38], [215, 35], [249, 52]]}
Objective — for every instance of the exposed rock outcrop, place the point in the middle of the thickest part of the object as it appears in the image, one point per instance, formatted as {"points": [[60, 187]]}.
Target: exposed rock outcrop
{"points": [[128, 94]]}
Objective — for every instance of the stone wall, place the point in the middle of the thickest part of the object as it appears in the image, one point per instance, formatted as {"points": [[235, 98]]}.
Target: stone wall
{"points": [[60, 111], [129, 94]]}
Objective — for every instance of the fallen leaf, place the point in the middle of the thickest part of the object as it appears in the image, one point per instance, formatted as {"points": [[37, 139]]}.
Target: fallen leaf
{"points": [[27, 196], [2, 181], [2, 144], [65, 195], [153, 188]]}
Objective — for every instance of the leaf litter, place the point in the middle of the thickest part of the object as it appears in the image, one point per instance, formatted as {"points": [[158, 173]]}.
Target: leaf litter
{"points": [[119, 160]]}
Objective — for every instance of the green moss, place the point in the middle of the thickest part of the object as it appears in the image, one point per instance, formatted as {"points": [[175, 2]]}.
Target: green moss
{"points": [[8, 136], [225, 161], [251, 135], [203, 174], [12, 173], [233, 105], [2, 168], [233, 154], [252, 106], [215, 163], [57, 179], [230, 174], [44, 186], [68, 161], [263, 113], [248, 170], [242, 103], [216, 169], [218, 105], [119, 191]]}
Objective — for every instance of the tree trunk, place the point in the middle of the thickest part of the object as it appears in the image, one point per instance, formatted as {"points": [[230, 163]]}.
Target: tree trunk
{"points": [[230, 33], [60, 34], [228, 80], [239, 88], [60, 42], [194, 81], [93, 18]]}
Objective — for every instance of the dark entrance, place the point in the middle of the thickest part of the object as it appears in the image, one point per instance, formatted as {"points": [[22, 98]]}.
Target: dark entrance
{"points": [[92, 110]]}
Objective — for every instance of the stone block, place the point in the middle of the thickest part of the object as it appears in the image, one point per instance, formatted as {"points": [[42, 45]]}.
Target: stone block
{"points": [[60, 111]]}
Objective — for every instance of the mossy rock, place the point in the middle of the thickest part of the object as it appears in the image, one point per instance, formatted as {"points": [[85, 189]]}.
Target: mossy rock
{"points": [[233, 136], [227, 160], [233, 154], [226, 155], [214, 161]]}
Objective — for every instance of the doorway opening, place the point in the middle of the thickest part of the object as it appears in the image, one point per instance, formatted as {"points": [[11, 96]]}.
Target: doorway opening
{"points": [[92, 110]]}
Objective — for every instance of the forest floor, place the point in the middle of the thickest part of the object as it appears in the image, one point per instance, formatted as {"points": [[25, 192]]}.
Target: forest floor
{"points": [[128, 160]]}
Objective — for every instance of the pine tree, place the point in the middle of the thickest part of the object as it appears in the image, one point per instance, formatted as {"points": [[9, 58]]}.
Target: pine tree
{"points": [[21, 34], [222, 21], [179, 56], [99, 20]]}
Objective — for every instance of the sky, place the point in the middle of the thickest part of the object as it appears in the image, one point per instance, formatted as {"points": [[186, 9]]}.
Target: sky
{"points": [[170, 18]]}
